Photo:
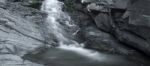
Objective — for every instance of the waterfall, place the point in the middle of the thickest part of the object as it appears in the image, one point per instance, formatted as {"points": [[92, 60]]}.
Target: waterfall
{"points": [[54, 10]]}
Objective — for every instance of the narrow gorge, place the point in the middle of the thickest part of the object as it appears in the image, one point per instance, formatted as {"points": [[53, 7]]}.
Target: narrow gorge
{"points": [[74, 33]]}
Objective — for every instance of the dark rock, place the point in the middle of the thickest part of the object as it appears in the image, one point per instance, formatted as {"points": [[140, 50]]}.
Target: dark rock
{"points": [[133, 40], [30, 3], [104, 22], [97, 7], [120, 4], [139, 13], [126, 23], [135, 32], [98, 40]]}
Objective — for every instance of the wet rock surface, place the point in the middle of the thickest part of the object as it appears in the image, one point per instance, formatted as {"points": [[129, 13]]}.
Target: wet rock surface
{"points": [[110, 26], [120, 26], [20, 32]]}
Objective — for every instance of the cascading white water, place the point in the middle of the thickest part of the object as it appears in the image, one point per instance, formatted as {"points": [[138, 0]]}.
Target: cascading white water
{"points": [[54, 10]]}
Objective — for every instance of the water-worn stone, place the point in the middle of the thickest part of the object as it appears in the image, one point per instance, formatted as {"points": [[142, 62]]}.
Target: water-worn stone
{"points": [[22, 30], [135, 32], [104, 22], [128, 22], [102, 41], [133, 40], [120, 4], [139, 13]]}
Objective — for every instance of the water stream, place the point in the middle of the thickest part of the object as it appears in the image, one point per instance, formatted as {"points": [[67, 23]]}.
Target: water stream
{"points": [[54, 10], [69, 52]]}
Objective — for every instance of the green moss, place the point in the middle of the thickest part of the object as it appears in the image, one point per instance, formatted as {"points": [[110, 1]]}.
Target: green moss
{"points": [[69, 5], [35, 3]]}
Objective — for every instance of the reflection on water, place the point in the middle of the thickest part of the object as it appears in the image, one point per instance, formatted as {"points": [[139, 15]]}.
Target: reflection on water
{"points": [[70, 52], [63, 57]]}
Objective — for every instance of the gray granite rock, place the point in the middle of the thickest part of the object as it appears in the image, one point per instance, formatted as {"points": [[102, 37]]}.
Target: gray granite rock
{"points": [[127, 21], [22, 30]]}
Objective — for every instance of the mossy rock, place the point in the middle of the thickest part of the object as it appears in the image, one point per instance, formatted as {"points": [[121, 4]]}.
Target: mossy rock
{"points": [[35, 3], [69, 5]]}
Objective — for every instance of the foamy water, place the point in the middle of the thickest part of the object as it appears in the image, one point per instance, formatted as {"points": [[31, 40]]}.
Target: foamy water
{"points": [[54, 10]]}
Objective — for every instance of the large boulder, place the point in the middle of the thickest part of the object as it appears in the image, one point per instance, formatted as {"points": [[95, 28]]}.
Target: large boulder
{"points": [[135, 32], [22, 30], [127, 21], [104, 22], [105, 5], [120, 4], [133, 40], [139, 13], [104, 42]]}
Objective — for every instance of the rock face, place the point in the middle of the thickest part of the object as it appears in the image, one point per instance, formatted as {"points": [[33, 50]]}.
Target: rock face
{"points": [[136, 31], [113, 26], [120, 26], [22, 29]]}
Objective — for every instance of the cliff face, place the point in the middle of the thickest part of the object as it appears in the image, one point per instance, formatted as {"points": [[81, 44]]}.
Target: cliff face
{"points": [[116, 26], [112, 26], [22, 29]]}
